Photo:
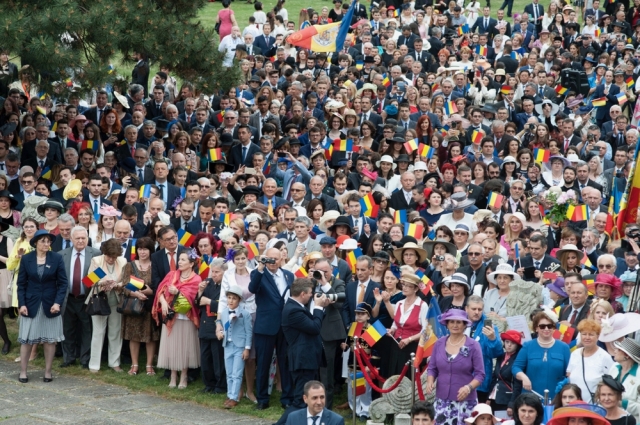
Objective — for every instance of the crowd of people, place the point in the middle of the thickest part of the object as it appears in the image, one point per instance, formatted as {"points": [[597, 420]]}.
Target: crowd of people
{"points": [[426, 166]]}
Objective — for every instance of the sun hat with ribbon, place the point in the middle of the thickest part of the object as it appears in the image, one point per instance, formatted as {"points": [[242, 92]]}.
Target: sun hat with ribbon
{"points": [[618, 326]]}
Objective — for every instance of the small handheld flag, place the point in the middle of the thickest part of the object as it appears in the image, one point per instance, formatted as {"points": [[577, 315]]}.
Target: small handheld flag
{"points": [[577, 213], [352, 258], [135, 284], [411, 145], [425, 283], [425, 151], [495, 200], [185, 238], [215, 154], [225, 219], [630, 82], [359, 383], [450, 108], [133, 249], [374, 332], [463, 29], [481, 50], [601, 101], [87, 144], [414, 229], [203, 270], [252, 250], [541, 155], [343, 145], [622, 98], [561, 90], [400, 216], [145, 191], [301, 272], [476, 137], [368, 206], [93, 277], [506, 89], [46, 173], [385, 81], [355, 329]]}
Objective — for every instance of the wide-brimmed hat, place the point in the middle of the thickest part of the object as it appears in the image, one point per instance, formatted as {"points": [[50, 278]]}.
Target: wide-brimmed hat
{"points": [[430, 245], [121, 100], [212, 165], [458, 279], [507, 160], [381, 255], [349, 245], [618, 326], [558, 287], [576, 101], [570, 248], [481, 409], [513, 336], [517, 215], [502, 269], [459, 201], [628, 276], [257, 207], [579, 409], [399, 252], [564, 160], [341, 221], [329, 215], [236, 290], [410, 278], [554, 107], [72, 190], [78, 117], [389, 159], [50, 204], [630, 347], [454, 314], [12, 201], [611, 281], [41, 234]]}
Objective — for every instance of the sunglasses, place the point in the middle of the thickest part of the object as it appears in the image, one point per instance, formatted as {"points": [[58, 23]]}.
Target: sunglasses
{"points": [[546, 326]]}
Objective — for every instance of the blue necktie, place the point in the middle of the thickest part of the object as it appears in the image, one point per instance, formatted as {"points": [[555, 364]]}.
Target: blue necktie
{"points": [[244, 153]]}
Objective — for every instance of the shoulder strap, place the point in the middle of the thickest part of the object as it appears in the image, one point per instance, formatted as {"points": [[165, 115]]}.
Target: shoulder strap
{"points": [[135, 269]]}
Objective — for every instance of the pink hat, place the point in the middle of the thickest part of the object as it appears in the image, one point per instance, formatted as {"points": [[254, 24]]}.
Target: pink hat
{"points": [[370, 174]]}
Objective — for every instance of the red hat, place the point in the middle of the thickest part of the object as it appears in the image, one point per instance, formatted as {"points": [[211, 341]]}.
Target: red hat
{"points": [[341, 239], [513, 336]]}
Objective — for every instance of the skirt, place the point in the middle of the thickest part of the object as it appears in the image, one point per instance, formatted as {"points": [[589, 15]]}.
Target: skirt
{"points": [[140, 328], [40, 329], [179, 349], [452, 412]]}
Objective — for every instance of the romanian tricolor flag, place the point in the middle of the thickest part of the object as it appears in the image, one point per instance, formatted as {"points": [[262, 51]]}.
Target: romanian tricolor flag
{"points": [[450, 108], [203, 270], [220, 116], [252, 249], [495, 200], [425, 151], [46, 173], [359, 383], [343, 145], [215, 154], [577, 212], [135, 284], [385, 81], [476, 137], [133, 250], [630, 82], [541, 155], [185, 238], [93, 277], [225, 219], [506, 89], [463, 29], [622, 98], [301, 272], [400, 216], [411, 145], [590, 283], [561, 90], [352, 258], [425, 283], [481, 50], [628, 211], [359, 64], [597, 32], [355, 329], [145, 191], [425, 346], [88, 144], [324, 38], [517, 56], [601, 101], [586, 262], [414, 229], [368, 206], [328, 152], [374, 332]]}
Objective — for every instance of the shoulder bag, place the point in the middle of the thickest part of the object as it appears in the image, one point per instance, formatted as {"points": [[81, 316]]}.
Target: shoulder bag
{"points": [[131, 306]]}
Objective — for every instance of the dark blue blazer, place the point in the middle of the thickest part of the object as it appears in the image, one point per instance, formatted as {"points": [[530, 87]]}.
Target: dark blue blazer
{"points": [[521, 120], [602, 112], [349, 305], [278, 201], [195, 226], [235, 155], [160, 265], [34, 291], [269, 302], [302, 328], [328, 418], [262, 43], [20, 198], [370, 222]]}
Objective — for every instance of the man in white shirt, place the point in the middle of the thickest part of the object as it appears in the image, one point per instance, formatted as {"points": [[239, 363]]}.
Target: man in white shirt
{"points": [[228, 45], [315, 413]]}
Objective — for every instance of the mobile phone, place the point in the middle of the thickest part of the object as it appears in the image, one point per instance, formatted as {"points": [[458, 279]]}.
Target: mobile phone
{"points": [[282, 154], [529, 272], [488, 323], [249, 170]]}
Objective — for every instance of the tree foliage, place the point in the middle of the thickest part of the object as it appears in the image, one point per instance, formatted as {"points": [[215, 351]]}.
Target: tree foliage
{"points": [[78, 40]]}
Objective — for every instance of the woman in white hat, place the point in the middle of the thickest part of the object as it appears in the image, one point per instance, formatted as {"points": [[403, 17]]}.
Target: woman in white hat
{"points": [[385, 169], [458, 284], [495, 300], [508, 169], [513, 225], [482, 415], [570, 258]]}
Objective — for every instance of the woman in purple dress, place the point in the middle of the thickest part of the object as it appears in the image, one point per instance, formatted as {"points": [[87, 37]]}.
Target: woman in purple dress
{"points": [[457, 364]]}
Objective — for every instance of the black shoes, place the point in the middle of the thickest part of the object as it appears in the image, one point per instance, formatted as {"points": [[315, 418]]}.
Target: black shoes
{"points": [[45, 379], [23, 380], [262, 406], [68, 364], [6, 348]]}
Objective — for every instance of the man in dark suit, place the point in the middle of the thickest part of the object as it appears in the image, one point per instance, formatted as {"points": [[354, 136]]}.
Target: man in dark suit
{"points": [[265, 42], [168, 192], [205, 214], [579, 306], [41, 161], [28, 181], [368, 114], [314, 397], [140, 72], [608, 90], [332, 331], [242, 153], [594, 11], [360, 11], [537, 258], [92, 196], [359, 291], [301, 329], [510, 64], [316, 186], [402, 199], [420, 55], [271, 287], [486, 24], [475, 271], [165, 260], [62, 131], [95, 114], [407, 38], [75, 321], [154, 105], [42, 133], [536, 13]]}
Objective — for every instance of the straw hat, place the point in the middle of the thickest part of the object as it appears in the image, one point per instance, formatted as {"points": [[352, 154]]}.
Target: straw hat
{"points": [[398, 253], [481, 409], [329, 215], [570, 248], [121, 99], [504, 269]]}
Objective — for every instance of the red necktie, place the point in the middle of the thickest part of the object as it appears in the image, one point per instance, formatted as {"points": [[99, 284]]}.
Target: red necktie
{"points": [[172, 262], [75, 288], [133, 152], [573, 316]]}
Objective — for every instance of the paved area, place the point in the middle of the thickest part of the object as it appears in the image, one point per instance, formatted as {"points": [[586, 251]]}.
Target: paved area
{"points": [[79, 401]]}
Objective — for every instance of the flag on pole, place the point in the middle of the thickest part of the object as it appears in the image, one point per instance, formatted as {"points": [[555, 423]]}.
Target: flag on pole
{"points": [[541, 155], [425, 151], [601, 101], [145, 191], [561, 90], [577, 213], [368, 206], [324, 38], [374, 332]]}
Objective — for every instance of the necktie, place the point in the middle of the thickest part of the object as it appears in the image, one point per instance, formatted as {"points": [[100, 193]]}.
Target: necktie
{"points": [[314, 420], [473, 279], [419, 56], [582, 186], [186, 223], [75, 288], [161, 186], [292, 237], [361, 296], [172, 261], [41, 164], [67, 244], [244, 153], [189, 118], [204, 227], [270, 208], [2, 166], [573, 316], [541, 91], [357, 225], [486, 22], [535, 13], [133, 151], [537, 264], [95, 206], [140, 175], [99, 115], [495, 217], [406, 126]]}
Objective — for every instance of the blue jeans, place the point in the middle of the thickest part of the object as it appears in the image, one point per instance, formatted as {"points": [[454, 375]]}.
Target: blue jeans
{"points": [[234, 366]]}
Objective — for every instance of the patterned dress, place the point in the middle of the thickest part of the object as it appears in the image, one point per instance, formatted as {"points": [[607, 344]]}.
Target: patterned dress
{"points": [[139, 328]]}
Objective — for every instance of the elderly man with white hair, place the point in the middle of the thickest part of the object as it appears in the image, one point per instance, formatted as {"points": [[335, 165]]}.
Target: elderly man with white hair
{"points": [[590, 240]]}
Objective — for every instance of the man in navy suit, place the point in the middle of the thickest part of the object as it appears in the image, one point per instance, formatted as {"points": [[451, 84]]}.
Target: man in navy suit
{"points": [[205, 214], [609, 91], [486, 24], [525, 31], [271, 289], [168, 192], [314, 397], [360, 11], [95, 114], [523, 117], [536, 13], [301, 329], [92, 196], [265, 42], [165, 260], [359, 291], [368, 114], [242, 153]]}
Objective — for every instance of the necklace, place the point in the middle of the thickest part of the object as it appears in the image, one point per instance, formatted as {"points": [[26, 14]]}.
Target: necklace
{"points": [[546, 344], [110, 269], [185, 278], [144, 269], [455, 344]]}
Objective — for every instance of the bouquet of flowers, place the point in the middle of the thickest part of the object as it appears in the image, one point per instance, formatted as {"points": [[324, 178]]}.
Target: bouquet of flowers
{"points": [[559, 202]]}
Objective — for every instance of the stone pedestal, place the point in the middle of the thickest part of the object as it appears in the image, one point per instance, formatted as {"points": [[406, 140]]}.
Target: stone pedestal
{"points": [[402, 419]]}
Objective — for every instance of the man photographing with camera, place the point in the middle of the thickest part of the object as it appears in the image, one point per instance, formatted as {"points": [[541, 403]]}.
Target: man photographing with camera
{"points": [[270, 284], [301, 329]]}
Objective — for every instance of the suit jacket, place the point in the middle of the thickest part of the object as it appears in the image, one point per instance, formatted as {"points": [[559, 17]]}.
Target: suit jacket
{"points": [[528, 261], [312, 245], [69, 255], [602, 112], [349, 305], [269, 302], [235, 156], [374, 118], [50, 289], [509, 388], [92, 114], [482, 28], [328, 417], [329, 203], [481, 278], [344, 271], [301, 328], [103, 201], [160, 266], [565, 313], [264, 43], [140, 75], [332, 328], [304, 176], [29, 151], [240, 328], [399, 202], [433, 118], [360, 11], [372, 224], [408, 41], [510, 64], [70, 144], [35, 163], [529, 9], [521, 120]]}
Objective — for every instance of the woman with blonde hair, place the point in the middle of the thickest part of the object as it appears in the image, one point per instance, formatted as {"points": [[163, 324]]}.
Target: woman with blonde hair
{"points": [[237, 226], [106, 224], [182, 143], [600, 310]]}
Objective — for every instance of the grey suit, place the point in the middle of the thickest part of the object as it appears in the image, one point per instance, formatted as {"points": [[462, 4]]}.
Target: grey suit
{"points": [[74, 319], [312, 245], [332, 333], [254, 120]]}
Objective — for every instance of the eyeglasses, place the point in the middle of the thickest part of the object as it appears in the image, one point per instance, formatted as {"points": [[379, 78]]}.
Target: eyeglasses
{"points": [[605, 266], [297, 190], [229, 118], [546, 326], [28, 182], [140, 157], [474, 254]]}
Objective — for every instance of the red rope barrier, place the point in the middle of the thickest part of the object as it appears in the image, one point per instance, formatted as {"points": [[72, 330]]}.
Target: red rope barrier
{"points": [[419, 385], [368, 378], [372, 369]]}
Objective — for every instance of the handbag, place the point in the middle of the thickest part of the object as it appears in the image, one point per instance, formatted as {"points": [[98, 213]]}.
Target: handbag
{"points": [[98, 304], [181, 305], [131, 306], [217, 27]]}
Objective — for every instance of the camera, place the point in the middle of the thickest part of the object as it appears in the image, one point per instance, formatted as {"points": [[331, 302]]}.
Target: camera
{"points": [[531, 127], [454, 124], [439, 257], [318, 292], [265, 260], [635, 235], [317, 275]]}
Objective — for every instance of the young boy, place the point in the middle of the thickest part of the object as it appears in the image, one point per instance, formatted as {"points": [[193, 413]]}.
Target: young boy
{"points": [[236, 340], [422, 413]]}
